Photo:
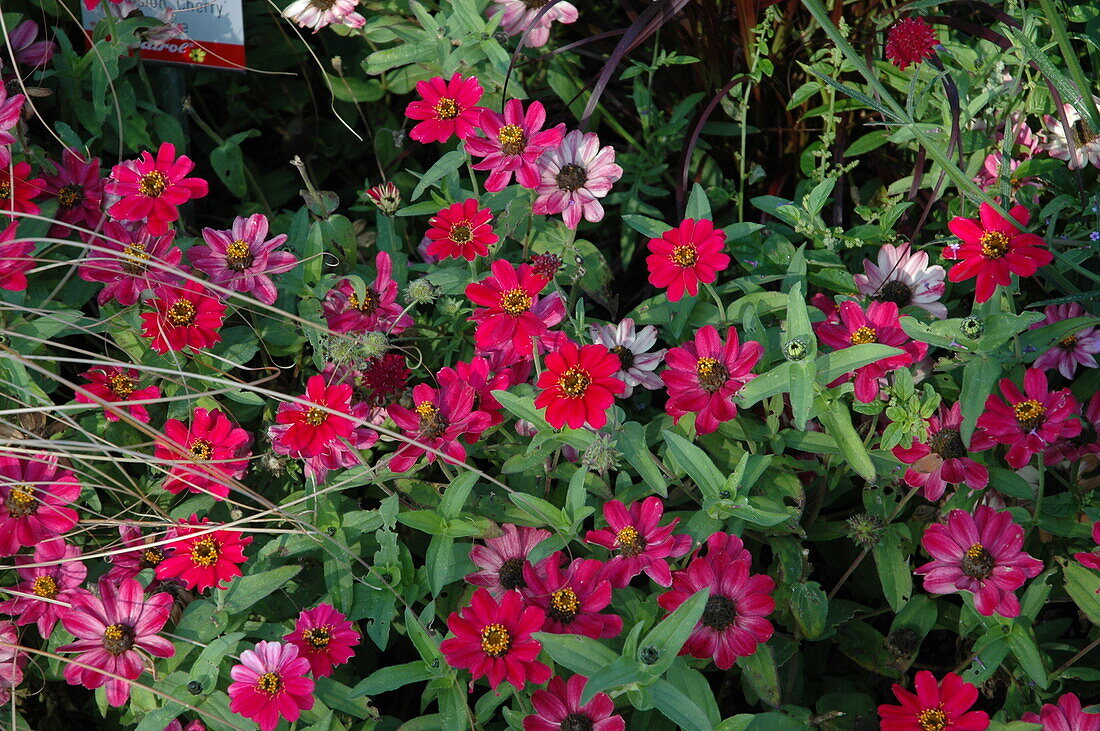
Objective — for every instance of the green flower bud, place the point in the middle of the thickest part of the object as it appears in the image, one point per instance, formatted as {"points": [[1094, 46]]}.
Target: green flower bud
{"points": [[972, 328]]}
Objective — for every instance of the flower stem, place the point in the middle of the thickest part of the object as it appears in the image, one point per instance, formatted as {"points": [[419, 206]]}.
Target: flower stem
{"points": [[718, 301]]}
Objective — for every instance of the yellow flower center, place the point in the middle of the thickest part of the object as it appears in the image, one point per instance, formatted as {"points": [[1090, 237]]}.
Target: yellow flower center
{"points": [[994, 244], [432, 424], [205, 552], [153, 184], [575, 382], [21, 502], [121, 385], [515, 302], [118, 638], [318, 638], [932, 719], [1068, 343], [712, 374], [238, 255], [512, 139], [461, 233], [684, 256], [446, 108], [978, 562], [863, 335], [182, 313], [269, 683], [369, 303], [5, 190], [1029, 414], [315, 417], [630, 541], [45, 586], [564, 604], [134, 258], [495, 640], [69, 195], [201, 450], [151, 558]]}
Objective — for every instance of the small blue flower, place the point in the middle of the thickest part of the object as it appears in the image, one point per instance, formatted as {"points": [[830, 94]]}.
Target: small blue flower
{"points": [[1095, 235]]}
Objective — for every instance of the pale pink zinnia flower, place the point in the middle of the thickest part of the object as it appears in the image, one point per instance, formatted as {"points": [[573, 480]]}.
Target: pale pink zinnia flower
{"points": [[902, 276], [518, 15], [1086, 142], [1074, 349], [242, 258], [12, 660], [574, 175], [317, 14], [631, 347], [501, 559]]}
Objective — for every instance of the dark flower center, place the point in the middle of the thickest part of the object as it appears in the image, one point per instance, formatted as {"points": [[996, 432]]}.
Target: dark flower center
{"points": [[21, 502], [546, 265], [1029, 414], [684, 256], [121, 385], [511, 574], [151, 558], [1068, 343], [515, 302], [630, 541], [564, 605], [269, 683], [45, 586], [897, 292], [315, 416], [238, 255], [323, 4], [994, 244], [134, 257], [205, 552], [626, 356], [153, 184], [118, 638], [446, 108], [512, 139], [571, 177], [318, 638], [535, 5], [5, 190], [461, 233], [948, 444], [863, 335], [719, 613], [575, 721], [932, 719], [495, 640], [1082, 135], [574, 382], [182, 313], [712, 374], [69, 195], [432, 423], [978, 562], [369, 303]]}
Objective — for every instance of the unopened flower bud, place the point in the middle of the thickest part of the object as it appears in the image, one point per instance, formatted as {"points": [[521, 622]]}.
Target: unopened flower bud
{"points": [[194, 687], [422, 292], [649, 655], [865, 529], [795, 349], [386, 196], [601, 454], [546, 265], [972, 327], [374, 344]]}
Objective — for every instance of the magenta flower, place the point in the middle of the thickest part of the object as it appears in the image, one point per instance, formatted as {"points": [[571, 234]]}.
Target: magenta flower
{"points": [[461, 231], [376, 311], [477, 375], [559, 707], [1091, 560], [979, 553], [572, 596], [954, 466], [306, 431], [445, 109], [34, 494], [509, 310], [518, 15], [639, 542], [902, 276], [116, 385], [944, 706], [12, 660], [28, 50], [270, 682], [17, 189], [1072, 350], [57, 579], [324, 637], [152, 189], [338, 454], [703, 377], [130, 262], [209, 454], [574, 175], [16, 259], [439, 418], [1030, 422], [514, 142], [79, 191], [687, 256], [502, 560], [1066, 716], [879, 324], [112, 631], [201, 557], [240, 259], [11, 108], [910, 41], [138, 555]]}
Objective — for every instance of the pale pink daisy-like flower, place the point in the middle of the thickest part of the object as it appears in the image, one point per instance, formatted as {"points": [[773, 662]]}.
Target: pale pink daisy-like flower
{"points": [[902, 276], [1078, 348], [501, 560], [574, 176], [57, 578], [1066, 716], [632, 349], [1086, 142], [12, 660], [270, 682], [317, 14], [517, 15], [241, 259], [514, 142]]}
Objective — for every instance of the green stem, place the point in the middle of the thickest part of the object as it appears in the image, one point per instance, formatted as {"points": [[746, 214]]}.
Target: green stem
{"points": [[1040, 489], [473, 178], [718, 301], [1069, 54]]}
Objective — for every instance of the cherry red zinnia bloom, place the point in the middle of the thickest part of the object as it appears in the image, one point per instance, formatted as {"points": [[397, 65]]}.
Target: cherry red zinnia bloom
{"points": [[374, 308], [324, 637], [16, 259], [17, 189], [1090, 560], [183, 317], [311, 427], [953, 466], [152, 189], [943, 706], [1066, 716], [112, 632], [116, 385], [242, 258], [477, 375], [559, 707], [910, 41], [979, 553], [79, 191], [461, 231], [438, 419], [502, 560], [514, 142], [994, 248], [687, 256], [703, 377], [202, 558], [879, 324], [58, 577], [210, 453], [34, 494], [270, 682], [574, 176], [571, 596], [1029, 422], [579, 386], [130, 262], [639, 542], [494, 639], [445, 108], [509, 300]]}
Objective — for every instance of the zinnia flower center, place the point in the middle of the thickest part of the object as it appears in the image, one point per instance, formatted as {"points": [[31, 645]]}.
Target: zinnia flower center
{"points": [[948, 444], [712, 374], [446, 108], [1068, 343], [625, 355], [205, 552], [201, 450], [134, 258], [511, 574], [994, 244], [535, 5], [70, 195], [318, 638], [495, 640], [1029, 414], [151, 558], [461, 233], [153, 184], [564, 605], [575, 382], [238, 255], [630, 541], [45, 586], [369, 303], [932, 719], [21, 502], [571, 177], [515, 302], [574, 721], [269, 683], [315, 417], [432, 424], [118, 638], [5, 190], [977, 562], [512, 139], [323, 4], [719, 613], [863, 336], [897, 292], [121, 385], [1082, 135], [182, 313], [684, 256]]}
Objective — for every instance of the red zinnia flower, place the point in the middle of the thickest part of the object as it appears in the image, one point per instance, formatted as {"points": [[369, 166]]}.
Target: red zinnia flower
{"points": [[686, 256], [211, 451], [447, 108], [324, 637], [130, 262], [503, 558], [18, 189], [16, 259], [152, 189], [270, 682], [202, 558], [183, 317], [910, 40], [33, 496], [1066, 716], [944, 706], [513, 143], [439, 418], [495, 640], [879, 324], [1090, 560], [994, 249], [377, 311], [110, 631], [79, 191], [116, 385], [58, 577], [559, 707], [477, 375], [642, 545], [1029, 422], [509, 297], [979, 553], [461, 231], [312, 429], [954, 465], [572, 597], [579, 386], [704, 376]]}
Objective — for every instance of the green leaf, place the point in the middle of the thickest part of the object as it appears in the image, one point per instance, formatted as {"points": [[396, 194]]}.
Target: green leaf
{"points": [[893, 568], [764, 386], [393, 677], [453, 711], [632, 444], [760, 672], [832, 366], [670, 635], [422, 641], [228, 162], [837, 421], [677, 707], [695, 462], [443, 167], [698, 207], [1082, 585], [622, 671], [454, 498], [979, 377], [1021, 641], [646, 226], [246, 590], [810, 607], [803, 389], [543, 511], [578, 653]]}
